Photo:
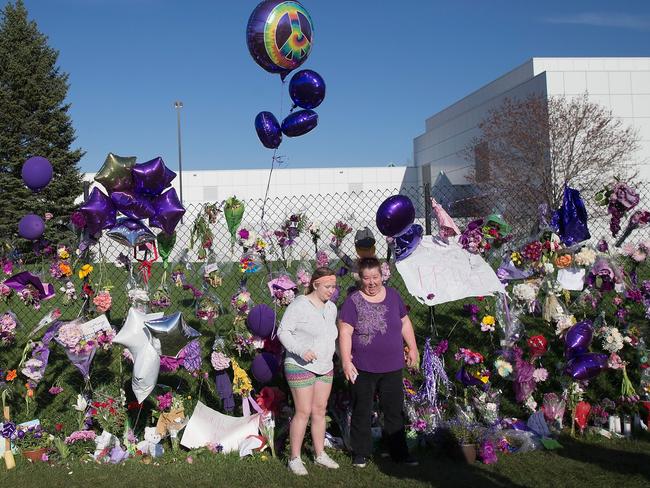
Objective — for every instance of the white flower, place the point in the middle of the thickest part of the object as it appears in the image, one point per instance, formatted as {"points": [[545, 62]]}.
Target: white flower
{"points": [[586, 257], [548, 268], [504, 368], [564, 323], [81, 404], [526, 292], [613, 340], [138, 295]]}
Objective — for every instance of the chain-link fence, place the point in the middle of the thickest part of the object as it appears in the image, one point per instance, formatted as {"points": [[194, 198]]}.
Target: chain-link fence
{"points": [[464, 203]]}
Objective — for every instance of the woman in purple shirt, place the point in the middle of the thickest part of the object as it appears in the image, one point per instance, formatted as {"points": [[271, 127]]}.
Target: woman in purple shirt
{"points": [[373, 327]]}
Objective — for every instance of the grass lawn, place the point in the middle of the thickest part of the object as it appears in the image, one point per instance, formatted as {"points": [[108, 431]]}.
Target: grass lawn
{"points": [[582, 462]]}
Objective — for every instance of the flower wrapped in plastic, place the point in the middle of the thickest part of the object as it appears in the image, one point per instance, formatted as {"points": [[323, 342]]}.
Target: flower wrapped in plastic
{"points": [[8, 325], [208, 307], [250, 263], [283, 290], [241, 302], [161, 299]]}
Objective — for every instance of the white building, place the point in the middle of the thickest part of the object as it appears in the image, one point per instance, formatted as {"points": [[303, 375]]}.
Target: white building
{"points": [[250, 184], [620, 84]]}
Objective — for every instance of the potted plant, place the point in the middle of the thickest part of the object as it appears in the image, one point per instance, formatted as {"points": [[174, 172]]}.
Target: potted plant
{"points": [[463, 440], [33, 442]]}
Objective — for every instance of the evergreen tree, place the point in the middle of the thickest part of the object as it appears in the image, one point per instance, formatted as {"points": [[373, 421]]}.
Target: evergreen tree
{"points": [[34, 121]]}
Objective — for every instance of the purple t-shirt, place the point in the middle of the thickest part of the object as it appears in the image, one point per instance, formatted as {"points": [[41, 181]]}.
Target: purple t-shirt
{"points": [[377, 345]]}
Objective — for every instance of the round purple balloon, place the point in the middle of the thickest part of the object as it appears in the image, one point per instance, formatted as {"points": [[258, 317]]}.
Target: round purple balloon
{"points": [[132, 205], [169, 211], [36, 173], [261, 320], [307, 89], [31, 227], [264, 367], [299, 123], [268, 130], [578, 338], [408, 242], [586, 366], [395, 215]]}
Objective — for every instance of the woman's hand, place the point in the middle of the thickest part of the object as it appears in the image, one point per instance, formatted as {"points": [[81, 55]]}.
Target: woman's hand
{"points": [[412, 357], [309, 356], [350, 372]]}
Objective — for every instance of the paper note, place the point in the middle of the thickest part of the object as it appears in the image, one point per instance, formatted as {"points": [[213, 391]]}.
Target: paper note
{"points": [[92, 327], [571, 278], [209, 426]]}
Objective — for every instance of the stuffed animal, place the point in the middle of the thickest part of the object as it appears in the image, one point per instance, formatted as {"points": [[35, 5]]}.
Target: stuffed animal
{"points": [[151, 443]]}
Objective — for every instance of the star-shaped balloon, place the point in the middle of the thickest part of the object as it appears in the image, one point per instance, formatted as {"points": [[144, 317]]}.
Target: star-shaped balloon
{"points": [[146, 361], [172, 332], [99, 211], [133, 205], [132, 334], [130, 232], [115, 173], [169, 211], [152, 177]]}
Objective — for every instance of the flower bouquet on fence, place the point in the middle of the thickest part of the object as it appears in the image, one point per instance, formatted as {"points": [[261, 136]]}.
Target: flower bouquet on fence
{"points": [[8, 325], [339, 232], [283, 290], [234, 213], [171, 416], [208, 307]]}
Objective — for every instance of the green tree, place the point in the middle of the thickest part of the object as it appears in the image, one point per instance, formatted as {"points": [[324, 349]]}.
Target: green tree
{"points": [[34, 120]]}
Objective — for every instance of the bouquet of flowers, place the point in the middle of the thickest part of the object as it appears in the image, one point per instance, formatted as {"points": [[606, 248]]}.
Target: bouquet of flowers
{"points": [[303, 276], [161, 299], [208, 307], [241, 302], [29, 438], [212, 275], [283, 290], [102, 301], [315, 233], [249, 263], [72, 338], [201, 232], [109, 411], [472, 238], [233, 212], [620, 198], [8, 324], [339, 232], [472, 371], [247, 238]]}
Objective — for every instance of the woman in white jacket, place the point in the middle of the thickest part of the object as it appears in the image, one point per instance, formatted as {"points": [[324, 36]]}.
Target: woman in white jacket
{"points": [[308, 332]]}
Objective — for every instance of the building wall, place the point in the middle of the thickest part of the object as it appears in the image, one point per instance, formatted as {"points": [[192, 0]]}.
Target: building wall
{"points": [[247, 184], [620, 84]]}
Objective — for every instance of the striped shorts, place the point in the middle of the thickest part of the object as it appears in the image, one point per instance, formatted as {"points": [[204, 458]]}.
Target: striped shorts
{"points": [[298, 377]]}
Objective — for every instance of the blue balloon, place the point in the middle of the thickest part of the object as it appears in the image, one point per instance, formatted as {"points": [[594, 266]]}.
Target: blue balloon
{"points": [[586, 366], [133, 205], [268, 130], [299, 123], [307, 89], [408, 242], [131, 232], [395, 215]]}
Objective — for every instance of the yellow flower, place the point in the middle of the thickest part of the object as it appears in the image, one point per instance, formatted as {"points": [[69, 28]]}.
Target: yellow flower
{"points": [[63, 253], [488, 320], [516, 259], [241, 383], [85, 270]]}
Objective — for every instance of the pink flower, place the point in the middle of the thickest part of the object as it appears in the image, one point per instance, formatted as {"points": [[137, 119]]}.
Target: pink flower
{"points": [[55, 390], [48, 216], [244, 234], [219, 361], [103, 301], [540, 374], [164, 401]]}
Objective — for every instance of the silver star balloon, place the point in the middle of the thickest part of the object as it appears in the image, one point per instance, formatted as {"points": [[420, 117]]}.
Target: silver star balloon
{"points": [[172, 332]]}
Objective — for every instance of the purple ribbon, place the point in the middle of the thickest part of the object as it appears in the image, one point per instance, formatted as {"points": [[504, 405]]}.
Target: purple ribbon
{"points": [[19, 281]]}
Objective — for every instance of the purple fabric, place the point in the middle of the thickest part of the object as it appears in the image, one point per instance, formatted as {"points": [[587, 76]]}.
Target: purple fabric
{"points": [[377, 345], [224, 390]]}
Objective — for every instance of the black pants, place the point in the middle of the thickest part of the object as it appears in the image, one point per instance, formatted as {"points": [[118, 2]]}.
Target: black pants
{"points": [[391, 402]]}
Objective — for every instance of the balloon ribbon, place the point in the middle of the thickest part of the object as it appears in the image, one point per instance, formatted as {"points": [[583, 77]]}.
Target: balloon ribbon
{"points": [[145, 264]]}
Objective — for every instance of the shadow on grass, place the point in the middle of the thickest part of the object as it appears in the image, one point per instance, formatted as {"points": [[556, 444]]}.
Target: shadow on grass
{"points": [[440, 470], [607, 457]]}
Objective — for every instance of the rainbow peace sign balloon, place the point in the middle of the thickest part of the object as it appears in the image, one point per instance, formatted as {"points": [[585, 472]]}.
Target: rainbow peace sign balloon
{"points": [[279, 35]]}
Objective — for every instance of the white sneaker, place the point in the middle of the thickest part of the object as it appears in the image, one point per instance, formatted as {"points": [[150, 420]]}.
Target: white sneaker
{"points": [[324, 460], [297, 467]]}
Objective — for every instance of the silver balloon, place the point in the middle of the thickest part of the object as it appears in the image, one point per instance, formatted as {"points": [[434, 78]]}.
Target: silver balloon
{"points": [[145, 371], [131, 232], [172, 332]]}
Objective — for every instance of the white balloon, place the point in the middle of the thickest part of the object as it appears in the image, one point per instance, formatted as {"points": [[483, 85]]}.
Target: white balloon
{"points": [[146, 361], [145, 372], [132, 334]]}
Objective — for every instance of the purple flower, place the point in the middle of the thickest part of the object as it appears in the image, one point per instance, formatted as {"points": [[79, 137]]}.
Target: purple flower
{"points": [[486, 452], [640, 218], [78, 220], [602, 245], [624, 196]]}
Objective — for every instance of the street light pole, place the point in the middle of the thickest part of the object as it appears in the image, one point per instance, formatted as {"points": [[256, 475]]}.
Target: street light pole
{"points": [[178, 105]]}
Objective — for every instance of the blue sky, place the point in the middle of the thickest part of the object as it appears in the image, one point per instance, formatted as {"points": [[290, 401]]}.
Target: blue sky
{"points": [[388, 66]]}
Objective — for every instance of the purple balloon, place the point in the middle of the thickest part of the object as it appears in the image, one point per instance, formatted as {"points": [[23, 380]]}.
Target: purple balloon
{"points": [[578, 338], [36, 173], [395, 215], [169, 177], [261, 320], [268, 130], [299, 123], [150, 178], [169, 211], [132, 205], [264, 367], [408, 242], [130, 232], [307, 89], [279, 35], [99, 212], [586, 366], [31, 227]]}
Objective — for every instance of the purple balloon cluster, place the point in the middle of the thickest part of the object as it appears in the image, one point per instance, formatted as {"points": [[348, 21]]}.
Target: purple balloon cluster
{"points": [[307, 90], [37, 174], [136, 191], [582, 365]]}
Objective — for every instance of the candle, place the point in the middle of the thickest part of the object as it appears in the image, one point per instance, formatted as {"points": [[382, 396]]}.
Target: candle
{"points": [[627, 426]]}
